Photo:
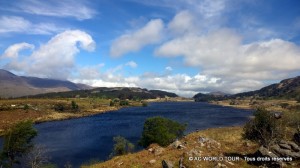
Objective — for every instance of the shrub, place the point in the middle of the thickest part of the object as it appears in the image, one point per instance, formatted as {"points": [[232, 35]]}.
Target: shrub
{"points": [[124, 103], [59, 107], [121, 147], [111, 103], [161, 131], [26, 107], [144, 104], [284, 105], [264, 129], [17, 142], [74, 106]]}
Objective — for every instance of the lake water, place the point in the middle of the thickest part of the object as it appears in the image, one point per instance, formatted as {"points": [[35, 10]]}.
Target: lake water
{"points": [[78, 141]]}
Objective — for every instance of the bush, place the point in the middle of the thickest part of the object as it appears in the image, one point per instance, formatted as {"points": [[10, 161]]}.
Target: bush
{"points": [[74, 106], [17, 142], [144, 104], [121, 147], [59, 107], [161, 131], [124, 103], [111, 103], [264, 129]]}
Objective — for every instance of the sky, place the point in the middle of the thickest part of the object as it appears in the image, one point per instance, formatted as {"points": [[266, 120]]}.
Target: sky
{"points": [[181, 46]]}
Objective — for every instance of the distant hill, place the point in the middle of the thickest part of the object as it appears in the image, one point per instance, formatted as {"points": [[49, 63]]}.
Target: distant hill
{"points": [[287, 88], [12, 85], [201, 97], [132, 93]]}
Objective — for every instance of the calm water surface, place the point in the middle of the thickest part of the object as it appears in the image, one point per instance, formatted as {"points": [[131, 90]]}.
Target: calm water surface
{"points": [[78, 141]]}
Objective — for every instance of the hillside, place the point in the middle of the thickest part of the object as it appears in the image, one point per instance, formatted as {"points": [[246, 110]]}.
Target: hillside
{"points": [[133, 93], [286, 89], [12, 85]]}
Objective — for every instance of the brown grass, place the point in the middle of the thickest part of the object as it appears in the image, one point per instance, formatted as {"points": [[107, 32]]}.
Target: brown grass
{"points": [[229, 138], [41, 110]]}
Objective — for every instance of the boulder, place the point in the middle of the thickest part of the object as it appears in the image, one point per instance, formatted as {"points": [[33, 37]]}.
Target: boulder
{"points": [[167, 164], [285, 152], [177, 145], [264, 152], [209, 143]]}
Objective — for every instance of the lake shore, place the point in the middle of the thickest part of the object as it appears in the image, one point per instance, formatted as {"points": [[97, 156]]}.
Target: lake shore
{"points": [[43, 110]]}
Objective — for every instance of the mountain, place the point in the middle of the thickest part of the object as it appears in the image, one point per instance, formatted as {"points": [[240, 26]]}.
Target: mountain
{"points": [[132, 93], [287, 88], [201, 97], [12, 85]]}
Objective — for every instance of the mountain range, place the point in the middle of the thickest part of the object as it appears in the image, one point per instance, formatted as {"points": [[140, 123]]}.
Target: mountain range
{"points": [[287, 89], [12, 85]]}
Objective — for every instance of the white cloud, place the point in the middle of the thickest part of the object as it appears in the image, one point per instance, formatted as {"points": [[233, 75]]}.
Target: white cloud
{"points": [[182, 23], [131, 64], [168, 68], [151, 33], [16, 24], [222, 54], [13, 50], [67, 8], [55, 59]]}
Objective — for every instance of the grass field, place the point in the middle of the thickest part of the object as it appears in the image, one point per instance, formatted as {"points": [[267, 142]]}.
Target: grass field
{"points": [[41, 110]]}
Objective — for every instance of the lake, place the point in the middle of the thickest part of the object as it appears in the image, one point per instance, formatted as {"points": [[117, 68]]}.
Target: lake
{"points": [[78, 141]]}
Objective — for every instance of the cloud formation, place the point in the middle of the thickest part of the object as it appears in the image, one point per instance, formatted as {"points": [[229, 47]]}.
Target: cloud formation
{"points": [[68, 8], [16, 24], [151, 33], [55, 59], [222, 54]]}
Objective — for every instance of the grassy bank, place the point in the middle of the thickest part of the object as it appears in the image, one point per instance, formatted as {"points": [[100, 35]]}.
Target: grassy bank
{"points": [[42, 110], [224, 143]]}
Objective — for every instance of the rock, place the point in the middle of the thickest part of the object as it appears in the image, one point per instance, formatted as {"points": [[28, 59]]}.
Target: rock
{"points": [[177, 145], [152, 161], [264, 152], [285, 152], [293, 146], [158, 151], [150, 150], [209, 143], [194, 153], [167, 164], [277, 115], [181, 163]]}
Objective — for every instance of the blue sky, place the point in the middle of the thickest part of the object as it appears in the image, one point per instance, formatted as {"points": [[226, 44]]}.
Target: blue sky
{"points": [[182, 46]]}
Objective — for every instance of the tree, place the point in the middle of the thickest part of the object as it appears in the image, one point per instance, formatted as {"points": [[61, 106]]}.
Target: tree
{"points": [[17, 142], [37, 157], [264, 129], [121, 147], [160, 130]]}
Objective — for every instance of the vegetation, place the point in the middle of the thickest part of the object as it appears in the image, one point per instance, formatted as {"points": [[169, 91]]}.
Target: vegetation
{"points": [[144, 104], [264, 129], [74, 106], [160, 130], [17, 142], [109, 93], [121, 147]]}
